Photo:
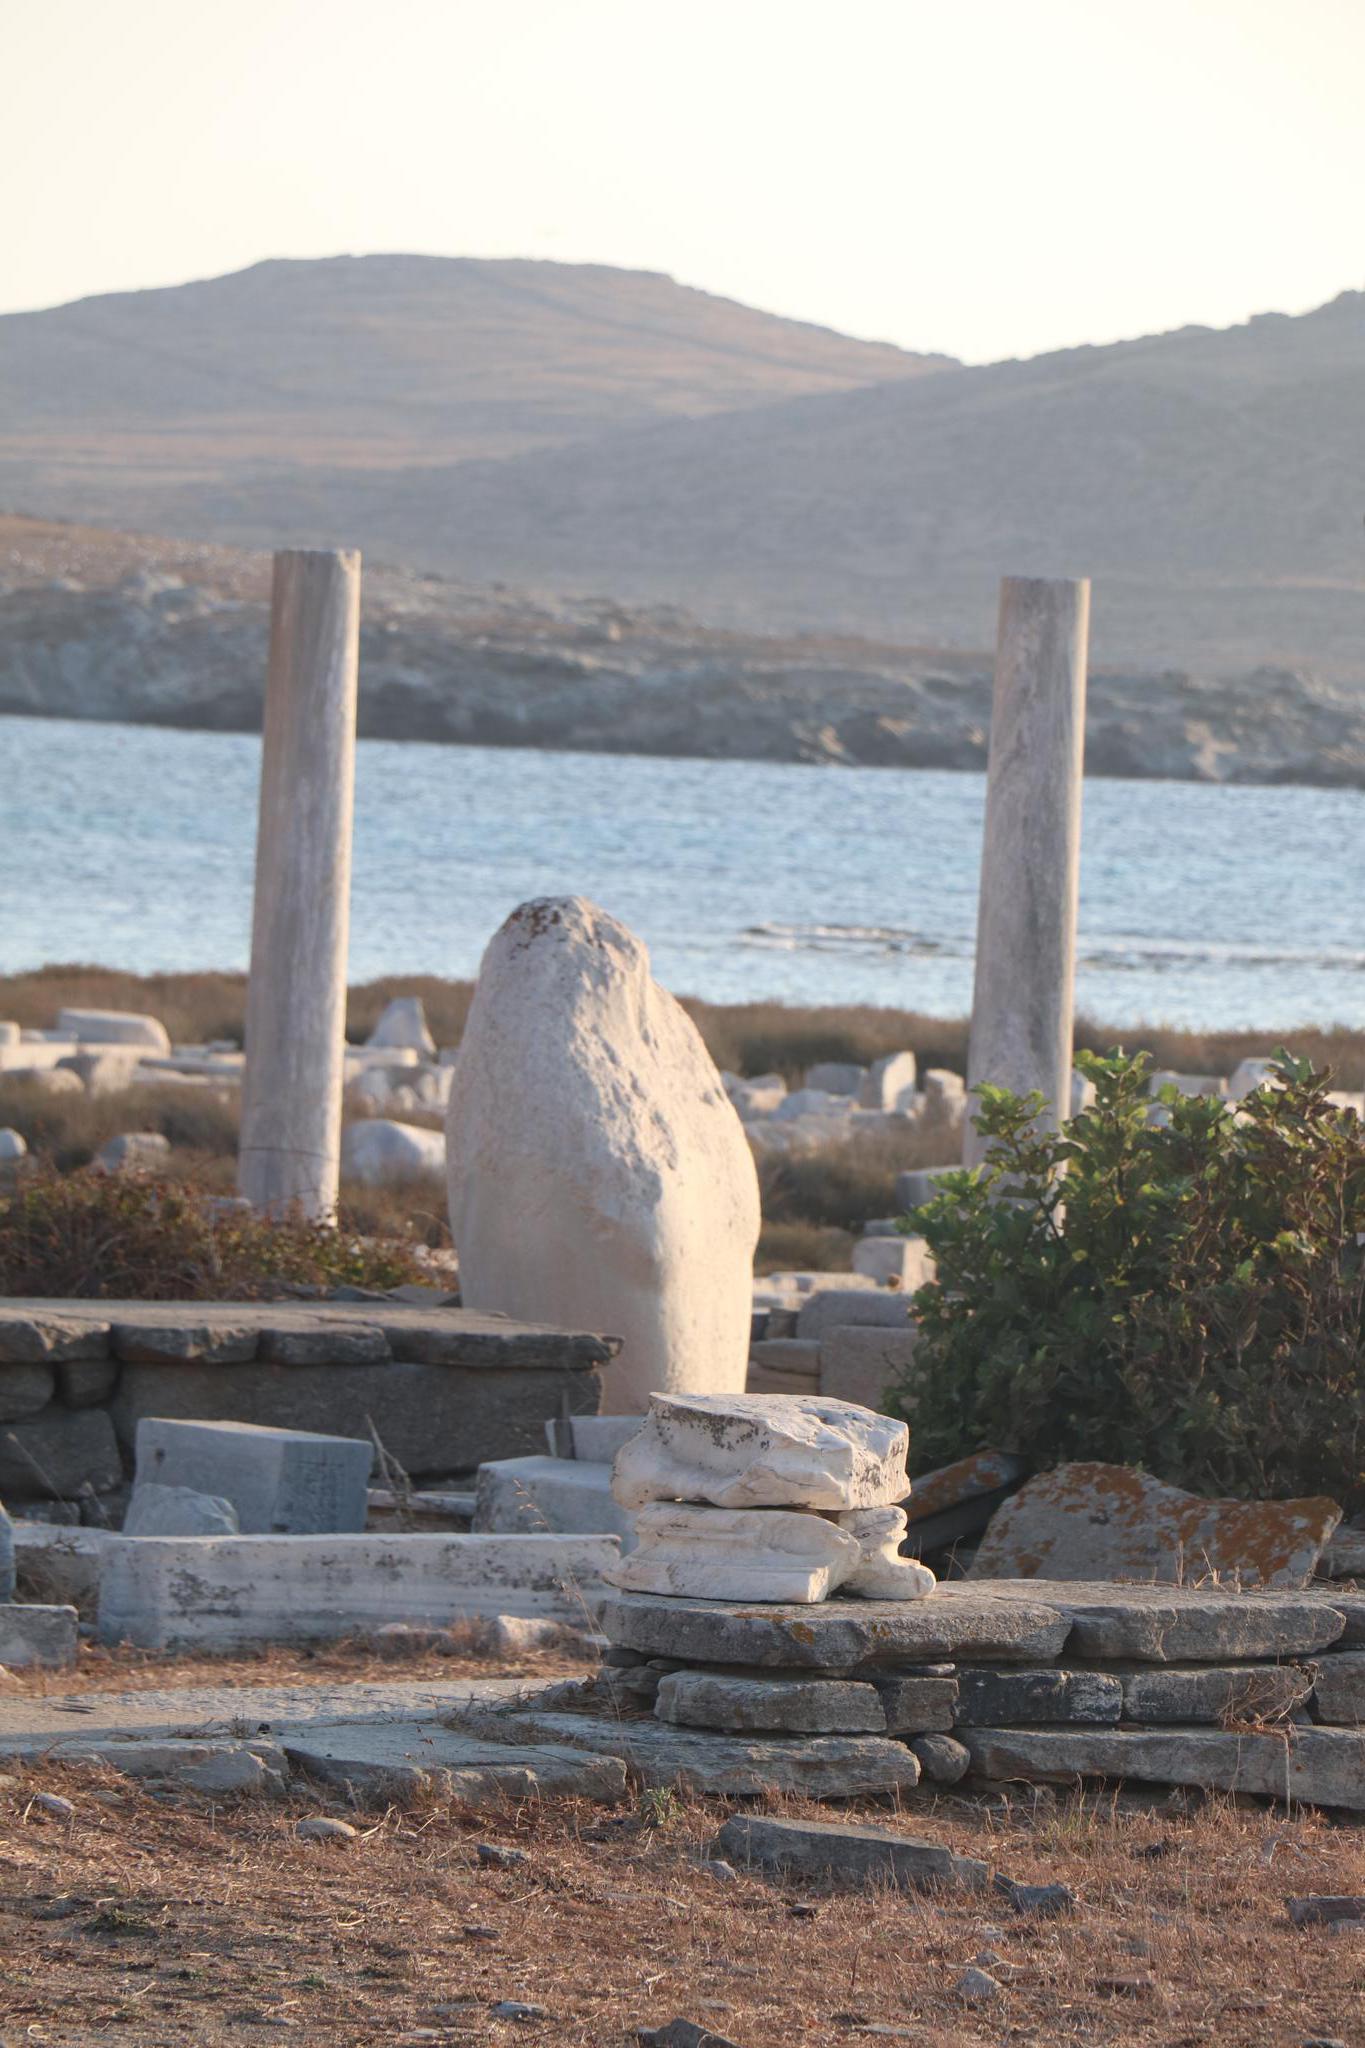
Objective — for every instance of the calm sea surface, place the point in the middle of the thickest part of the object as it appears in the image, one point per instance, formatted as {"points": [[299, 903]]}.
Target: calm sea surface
{"points": [[1199, 906]]}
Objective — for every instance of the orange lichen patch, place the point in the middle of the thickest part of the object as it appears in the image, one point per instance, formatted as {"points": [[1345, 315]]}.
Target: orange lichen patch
{"points": [[963, 1480], [1094, 1521]]}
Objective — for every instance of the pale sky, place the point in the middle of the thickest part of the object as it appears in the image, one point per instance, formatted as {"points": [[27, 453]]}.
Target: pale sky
{"points": [[988, 177]]}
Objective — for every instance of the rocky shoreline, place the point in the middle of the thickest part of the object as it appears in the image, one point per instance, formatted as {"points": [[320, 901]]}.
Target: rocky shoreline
{"points": [[108, 626]]}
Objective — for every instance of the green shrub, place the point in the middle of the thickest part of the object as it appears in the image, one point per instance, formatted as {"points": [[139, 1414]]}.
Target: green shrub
{"points": [[1186, 1297], [114, 1237]]}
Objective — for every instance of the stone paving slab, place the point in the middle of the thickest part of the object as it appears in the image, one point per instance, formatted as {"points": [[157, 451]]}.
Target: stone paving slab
{"points": [[839, 1636], [727, 1766], [395, 1760], [1177, 1624], [29, 1727], [844, 1852], [1322, 1766]]}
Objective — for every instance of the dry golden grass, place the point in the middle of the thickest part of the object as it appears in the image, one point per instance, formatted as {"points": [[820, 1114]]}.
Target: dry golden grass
{"points": [[159, 1920]]}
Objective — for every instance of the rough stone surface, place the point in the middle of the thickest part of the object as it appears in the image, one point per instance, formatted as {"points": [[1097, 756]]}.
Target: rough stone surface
{"points": [[54, 1454], [710, 1553], [1218, 1693], [762, 1451], [24, 1390], [177, 1511], [889, 1083], [861, 1363], [1326, 1909], [85, 1382], [163, 1592], [784, 1365], [279, 1481], [37, 1635], [1339, 1692], [794, 1706], [403, 1023], [567, 1494], [6, 1557], [390, 1762], [726, 1766], [32, 1333], [134, 1152], [598, 1172], [918, 1705], [989, 1697], [60, 1565], [1088, 1521], [213, 1767], [966, 1479], [839, 1635], [1177, 1624], [1322, 1766], [848, 1853], [834, 1308], [942, 1761], [905, 1263]]}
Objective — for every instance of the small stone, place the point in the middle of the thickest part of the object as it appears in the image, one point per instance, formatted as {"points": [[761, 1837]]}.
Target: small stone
{"points": [[845, 1851], [1043, 1900], [518, 2009], [723, 1872], [320, 1827], [941, 1760], [477, 1933], [682, 2034], [978, 1987], [494, 1857], [53, 1805], [918, 1705], [1323, 1909]]}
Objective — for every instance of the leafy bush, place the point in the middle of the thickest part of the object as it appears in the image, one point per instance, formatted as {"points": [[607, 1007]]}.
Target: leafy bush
{"points": [[1187, 1296], [113, 1237]]}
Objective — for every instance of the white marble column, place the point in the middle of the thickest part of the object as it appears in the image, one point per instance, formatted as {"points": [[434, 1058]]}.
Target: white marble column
{"points": [[296, 1002], [1030, 859]]}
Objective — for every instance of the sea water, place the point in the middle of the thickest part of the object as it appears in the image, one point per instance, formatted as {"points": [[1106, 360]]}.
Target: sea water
{"points": [[1203, 907]]}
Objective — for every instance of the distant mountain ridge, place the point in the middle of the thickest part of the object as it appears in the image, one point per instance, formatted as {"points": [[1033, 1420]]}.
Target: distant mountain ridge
{"points": [[590, 429]]}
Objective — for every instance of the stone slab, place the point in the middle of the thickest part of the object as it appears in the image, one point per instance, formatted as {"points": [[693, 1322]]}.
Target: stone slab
{"points": [[568, 1495], [711, 1553], [863, 1362], [723, 1766], [918, 1705], [214, 1767], [281, 1482], [32, 1635], [838, 1635], [1339, 1690], [6, 1557], [24, 1390], [163, 1592], [1087, 1521], [784, 1358], [431, 1418], [392, 1761], [787, 1706], [36, 1333], [1344, 1557], [990, 1697], [1321, 1766], [1351, 1607], [1222, 1694], [833, 1308], [846, 1853], [54, 1454], [942, 1760], [1176, 1624], [966, 1479], [740, 1451]]}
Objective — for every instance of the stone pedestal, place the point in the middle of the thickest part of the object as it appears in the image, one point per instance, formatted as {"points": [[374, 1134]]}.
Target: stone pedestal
{"points": [[1030, 860]]}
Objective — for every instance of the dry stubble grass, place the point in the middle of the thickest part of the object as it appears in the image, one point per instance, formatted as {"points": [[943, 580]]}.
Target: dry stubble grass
{"points": [[160, 1921]]}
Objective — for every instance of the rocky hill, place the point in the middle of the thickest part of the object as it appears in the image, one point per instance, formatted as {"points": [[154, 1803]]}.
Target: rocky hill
{"points": [[106, 625]]}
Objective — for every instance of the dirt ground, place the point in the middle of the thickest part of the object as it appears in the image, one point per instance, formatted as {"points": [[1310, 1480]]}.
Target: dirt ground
{"points": [[147, 1919]]}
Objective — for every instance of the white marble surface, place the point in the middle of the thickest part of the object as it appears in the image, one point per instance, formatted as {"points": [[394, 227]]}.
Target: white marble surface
{"points": [[707, 1553], [882, 1573], [762, 1451]]}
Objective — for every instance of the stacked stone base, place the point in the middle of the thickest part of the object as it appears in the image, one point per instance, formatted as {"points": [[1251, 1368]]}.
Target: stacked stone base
{"points": [[1045, 1682]]}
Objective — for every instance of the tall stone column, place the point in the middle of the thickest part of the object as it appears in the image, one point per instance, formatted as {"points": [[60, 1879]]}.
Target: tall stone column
{"points": [[296, 1001], [1030, 860]]}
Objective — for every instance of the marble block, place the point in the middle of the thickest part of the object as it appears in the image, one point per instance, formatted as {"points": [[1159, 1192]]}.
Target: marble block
{"points": [[882, 1573], [763, 1451], [280, 1481], [706, 1553]]}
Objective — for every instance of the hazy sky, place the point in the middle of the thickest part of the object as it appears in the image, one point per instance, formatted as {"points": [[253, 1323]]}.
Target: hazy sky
{"points": [[990, 177]]}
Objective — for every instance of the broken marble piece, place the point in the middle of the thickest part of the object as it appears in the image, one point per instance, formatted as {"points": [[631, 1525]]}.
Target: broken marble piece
{"points": [[763, 1451], [882, 1573], [1093, 1521], [706, 1553]]}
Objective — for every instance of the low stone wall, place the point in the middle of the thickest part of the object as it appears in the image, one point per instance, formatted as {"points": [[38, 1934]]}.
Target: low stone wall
{"points": [[447, 1389]]}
